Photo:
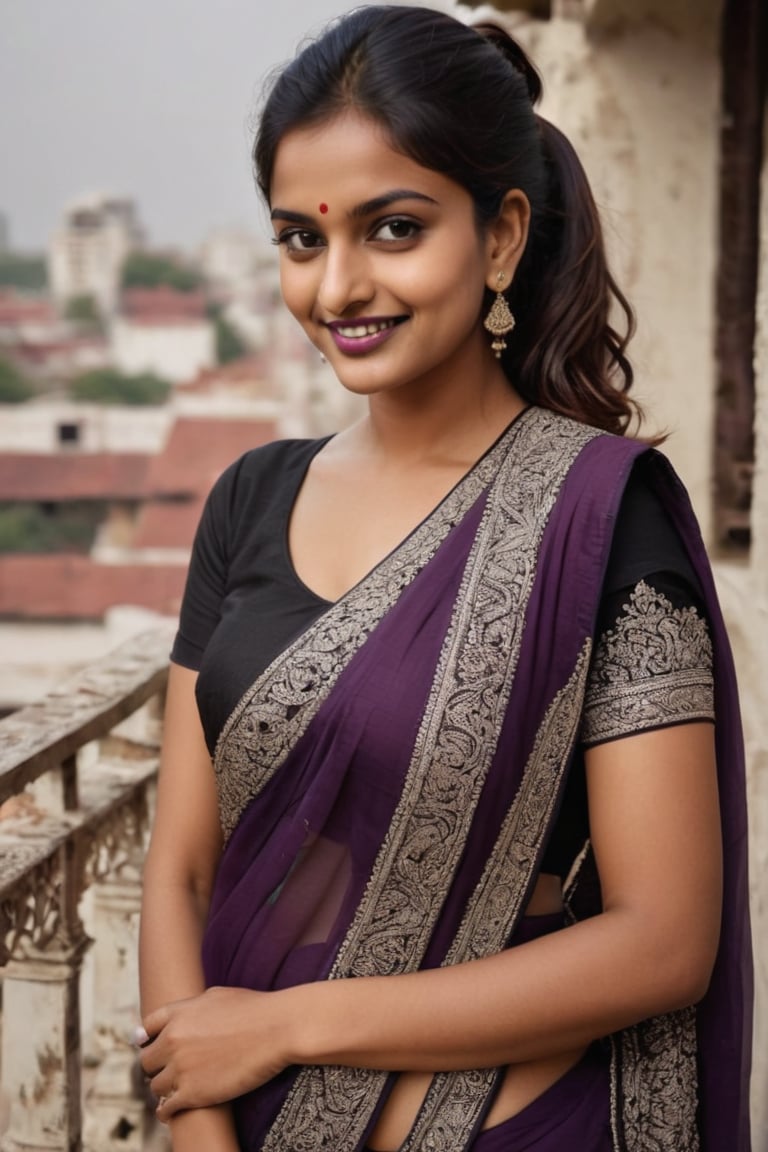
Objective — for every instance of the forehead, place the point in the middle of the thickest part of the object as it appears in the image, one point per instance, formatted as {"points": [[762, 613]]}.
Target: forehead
{"points": [[345, 161]]}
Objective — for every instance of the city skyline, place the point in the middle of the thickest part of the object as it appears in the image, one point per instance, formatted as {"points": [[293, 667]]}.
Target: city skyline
{"points": [[152, 101]]}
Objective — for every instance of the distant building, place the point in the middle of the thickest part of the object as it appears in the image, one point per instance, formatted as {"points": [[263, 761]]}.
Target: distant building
{"points": [[35, 337], [46, 426], [179, 479], [57, 609], [232, 261], [163, 331], [87, 252], [242, 274], [27, 319]]}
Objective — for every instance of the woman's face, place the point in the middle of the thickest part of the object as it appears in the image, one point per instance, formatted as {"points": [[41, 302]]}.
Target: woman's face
{"points": [[381, 260]]}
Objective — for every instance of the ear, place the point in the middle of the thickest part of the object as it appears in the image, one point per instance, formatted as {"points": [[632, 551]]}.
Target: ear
{"points": [[506, 238]]}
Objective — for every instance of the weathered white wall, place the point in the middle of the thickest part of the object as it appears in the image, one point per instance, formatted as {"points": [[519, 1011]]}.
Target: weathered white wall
{"points": [[176, 352], [640, 105], [32, 427]]}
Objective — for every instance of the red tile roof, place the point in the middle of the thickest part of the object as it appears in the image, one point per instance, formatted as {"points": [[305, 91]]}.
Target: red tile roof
{"points": [[252, 372], [59, 587], [16, 308], [196, 453], [43, 350], [57, 477], [162, 305], [171, 486], [168, 524], [198, 450]]}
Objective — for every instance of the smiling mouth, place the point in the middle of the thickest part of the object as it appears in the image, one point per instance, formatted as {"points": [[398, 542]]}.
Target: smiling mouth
{"points": [[351, 331]]}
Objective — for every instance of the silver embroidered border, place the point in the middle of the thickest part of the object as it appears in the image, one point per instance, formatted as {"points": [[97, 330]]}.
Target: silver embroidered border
{"points": [[456, 1101], [651, 669], [276, 710], [654, 1085], [462, 722]]}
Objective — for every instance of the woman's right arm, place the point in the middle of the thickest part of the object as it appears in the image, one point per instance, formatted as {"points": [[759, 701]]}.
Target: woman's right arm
{"points": [[178, 878]]}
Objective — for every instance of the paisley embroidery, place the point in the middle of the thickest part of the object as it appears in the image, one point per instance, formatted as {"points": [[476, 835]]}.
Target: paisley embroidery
{"points": [[652, 669], [655, 1085], [277, 709], [456, 1100], [451, 756]]}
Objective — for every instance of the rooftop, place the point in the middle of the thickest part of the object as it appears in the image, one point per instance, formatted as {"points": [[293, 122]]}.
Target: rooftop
{"points": [[60, 587], [162, 305], [198, 450], [17, 308], [248, 373], [56, 478]]}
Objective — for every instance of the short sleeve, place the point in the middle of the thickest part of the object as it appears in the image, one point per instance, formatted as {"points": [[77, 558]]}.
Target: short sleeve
{"points": [[652, 659], [206, 584], [652, 668], [652, 662]]}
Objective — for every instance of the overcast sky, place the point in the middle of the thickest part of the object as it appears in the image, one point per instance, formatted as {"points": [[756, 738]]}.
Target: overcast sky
{"points": [[145, 98]]}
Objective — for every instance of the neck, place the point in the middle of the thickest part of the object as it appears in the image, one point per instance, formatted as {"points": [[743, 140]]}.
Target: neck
{"points": [[457, 422]]}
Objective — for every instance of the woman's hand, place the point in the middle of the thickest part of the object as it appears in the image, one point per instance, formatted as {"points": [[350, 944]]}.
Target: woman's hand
{"points": [[211, 1048]]}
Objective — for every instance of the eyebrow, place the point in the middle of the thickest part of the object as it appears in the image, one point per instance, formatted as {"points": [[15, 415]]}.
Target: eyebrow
{"points": [[367, 208]]}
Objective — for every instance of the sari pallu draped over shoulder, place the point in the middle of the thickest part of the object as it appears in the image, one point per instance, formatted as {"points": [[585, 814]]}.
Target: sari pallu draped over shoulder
{"points": [[387, 787]]}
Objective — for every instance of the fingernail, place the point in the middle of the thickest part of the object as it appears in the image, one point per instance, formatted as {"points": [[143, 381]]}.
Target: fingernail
{"points": [[140, 1037]]}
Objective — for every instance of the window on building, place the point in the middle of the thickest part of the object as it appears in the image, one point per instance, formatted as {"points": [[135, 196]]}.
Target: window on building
{"points": [[68, 434]]}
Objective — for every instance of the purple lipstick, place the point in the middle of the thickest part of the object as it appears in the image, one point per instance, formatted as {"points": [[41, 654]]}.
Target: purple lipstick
{"points": [[364, 333]]}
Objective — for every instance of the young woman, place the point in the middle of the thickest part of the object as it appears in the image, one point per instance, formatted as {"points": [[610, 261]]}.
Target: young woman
{"points": [[472, 847]]}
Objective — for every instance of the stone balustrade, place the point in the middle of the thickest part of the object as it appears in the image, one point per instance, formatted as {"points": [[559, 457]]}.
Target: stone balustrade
{"points": [[77, 773]]}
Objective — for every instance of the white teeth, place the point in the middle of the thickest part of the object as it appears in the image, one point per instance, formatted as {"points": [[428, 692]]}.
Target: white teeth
{"points": [[358, 330]]}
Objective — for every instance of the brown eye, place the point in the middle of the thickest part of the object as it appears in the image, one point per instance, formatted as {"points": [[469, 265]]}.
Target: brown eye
{"points": [[300, 240], [397, 229]]}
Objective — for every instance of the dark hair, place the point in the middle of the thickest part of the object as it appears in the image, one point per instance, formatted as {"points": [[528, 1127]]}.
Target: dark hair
{"points": [[460, 100]]}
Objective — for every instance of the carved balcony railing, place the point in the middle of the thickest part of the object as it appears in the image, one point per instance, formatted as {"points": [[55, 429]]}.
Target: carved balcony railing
{"points": [[77, 774]]}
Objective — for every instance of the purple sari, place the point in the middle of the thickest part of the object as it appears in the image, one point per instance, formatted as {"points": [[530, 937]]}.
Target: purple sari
{"points": [[388, 785]]}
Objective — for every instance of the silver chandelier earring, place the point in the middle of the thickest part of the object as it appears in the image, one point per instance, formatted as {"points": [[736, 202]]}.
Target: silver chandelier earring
{"points": [[499, 320]]}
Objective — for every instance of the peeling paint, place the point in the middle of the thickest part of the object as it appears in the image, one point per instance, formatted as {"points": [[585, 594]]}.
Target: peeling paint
{"points": [[49, 1064]]}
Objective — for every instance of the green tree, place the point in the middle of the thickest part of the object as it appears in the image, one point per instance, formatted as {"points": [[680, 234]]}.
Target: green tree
{"points": [[229, 345], [84, 312], [64, 528], [108, 386], [147, 270], [14, 388], [26, 272]]}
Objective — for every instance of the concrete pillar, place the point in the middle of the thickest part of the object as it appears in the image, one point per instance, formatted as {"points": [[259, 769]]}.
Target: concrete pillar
{"points": [[41, 1049], [116, 1113]]}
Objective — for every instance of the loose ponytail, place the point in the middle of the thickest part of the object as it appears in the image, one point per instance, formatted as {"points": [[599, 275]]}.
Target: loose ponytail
{"points": [[565, 353], [460, 100]]}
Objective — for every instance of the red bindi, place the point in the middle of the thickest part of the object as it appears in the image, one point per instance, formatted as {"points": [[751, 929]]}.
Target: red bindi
{"points": [[323, 208]]}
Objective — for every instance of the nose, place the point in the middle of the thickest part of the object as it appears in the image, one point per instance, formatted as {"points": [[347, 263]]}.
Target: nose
{"points": [[346, 279]]}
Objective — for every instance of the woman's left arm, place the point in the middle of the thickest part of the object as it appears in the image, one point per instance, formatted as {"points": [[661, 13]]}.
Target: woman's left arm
{"points": [[654, 819]]}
